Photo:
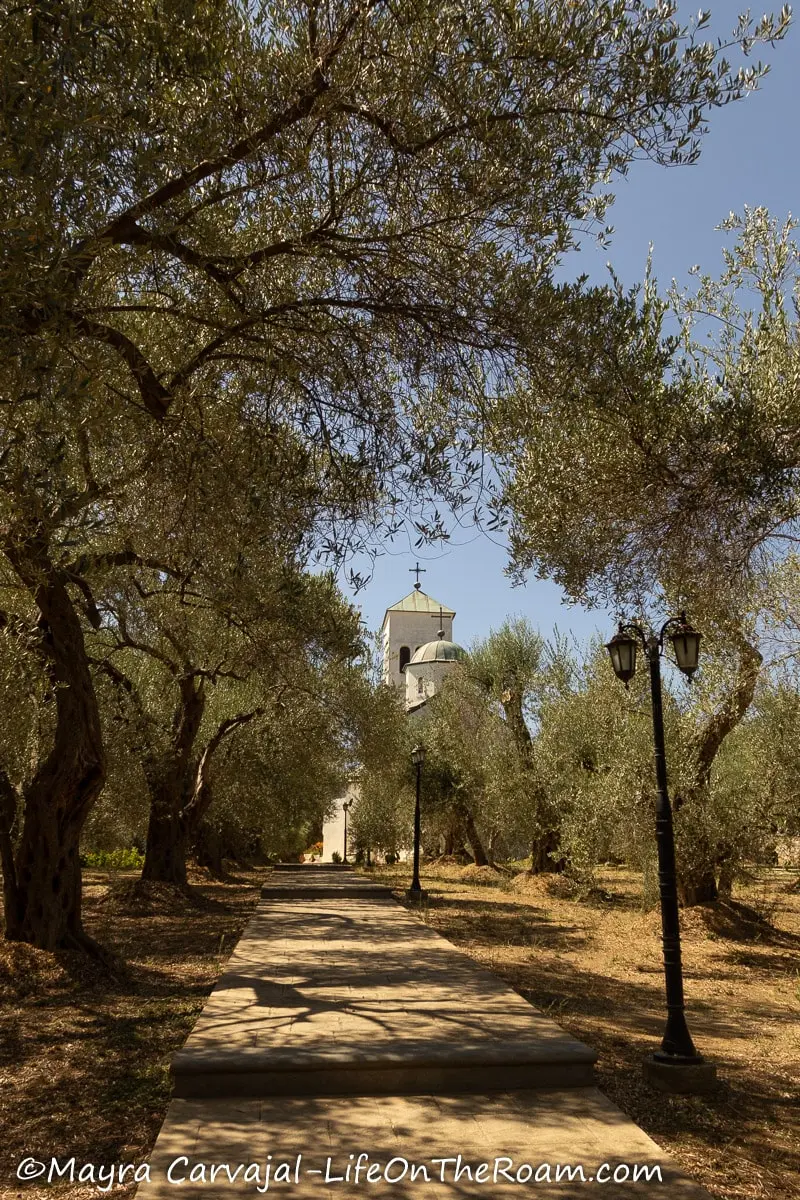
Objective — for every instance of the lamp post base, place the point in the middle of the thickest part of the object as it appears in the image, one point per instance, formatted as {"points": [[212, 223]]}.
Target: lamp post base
{"points": [[679, 1076], [416, 895]]}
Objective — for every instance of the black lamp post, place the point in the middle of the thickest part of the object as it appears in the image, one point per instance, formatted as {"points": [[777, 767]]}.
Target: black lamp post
{"points": [[676, 1067], [415, 892], [348, 804]]}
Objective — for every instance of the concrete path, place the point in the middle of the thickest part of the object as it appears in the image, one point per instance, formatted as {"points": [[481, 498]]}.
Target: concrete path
{"points": [[340, 990], [343, 1027]]}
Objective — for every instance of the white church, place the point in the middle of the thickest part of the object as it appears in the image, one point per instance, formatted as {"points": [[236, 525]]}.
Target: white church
{"points": [[418, 652]]}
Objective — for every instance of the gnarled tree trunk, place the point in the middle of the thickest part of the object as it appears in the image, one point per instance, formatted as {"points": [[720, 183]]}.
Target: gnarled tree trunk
{"points": [[167, 844], [544, 855], [180, 787], [703, 886], [698, 888], [473, 837], [208, 848], [543, 848], [41, 872], [169, 778]]}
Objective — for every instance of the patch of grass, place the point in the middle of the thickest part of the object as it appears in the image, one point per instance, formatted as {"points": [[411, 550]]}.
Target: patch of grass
{"points": [[113, 860]]}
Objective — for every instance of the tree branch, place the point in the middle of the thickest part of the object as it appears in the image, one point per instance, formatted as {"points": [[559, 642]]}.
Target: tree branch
{"points": [[405, 146], [120, 558], [197, 807], [154, 395]]}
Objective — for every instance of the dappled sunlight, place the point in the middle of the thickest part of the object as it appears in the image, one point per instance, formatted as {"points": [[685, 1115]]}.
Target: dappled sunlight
{"points": [[596, 969]]}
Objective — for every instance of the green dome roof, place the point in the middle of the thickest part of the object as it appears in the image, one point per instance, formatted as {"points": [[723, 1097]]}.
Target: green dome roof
{"points": [[439, 651]]}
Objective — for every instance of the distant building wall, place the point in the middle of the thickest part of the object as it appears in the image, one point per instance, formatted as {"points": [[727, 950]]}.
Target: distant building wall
{"points": [[424, 680], [333, 829], [412, 629]]}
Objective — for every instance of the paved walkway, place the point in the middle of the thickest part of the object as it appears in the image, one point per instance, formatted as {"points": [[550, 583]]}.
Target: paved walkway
{"points": [[344, 1026], [332, 992]]}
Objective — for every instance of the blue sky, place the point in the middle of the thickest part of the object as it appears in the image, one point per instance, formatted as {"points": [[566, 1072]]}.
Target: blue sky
{"points": [[750, 156]]}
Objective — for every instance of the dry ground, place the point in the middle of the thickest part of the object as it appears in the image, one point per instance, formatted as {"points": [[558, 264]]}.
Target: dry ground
{"points": [[595, 967], [84, 1057]]}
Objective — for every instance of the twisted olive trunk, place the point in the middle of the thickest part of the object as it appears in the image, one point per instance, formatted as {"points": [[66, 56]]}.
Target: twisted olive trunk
{"points": [[473, 837], [209, 849], [180, 786], [544, 848], [42, 886], [169, 778], [703, 885]]}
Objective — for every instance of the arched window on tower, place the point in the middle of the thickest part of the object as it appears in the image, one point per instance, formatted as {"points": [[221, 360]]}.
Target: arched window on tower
{"points": [[405, 657], [420, 686]]}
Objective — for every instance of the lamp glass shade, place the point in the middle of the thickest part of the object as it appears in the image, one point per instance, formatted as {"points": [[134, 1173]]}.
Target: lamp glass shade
{"points": [[418, 756], [686, 644], [622, 650]]}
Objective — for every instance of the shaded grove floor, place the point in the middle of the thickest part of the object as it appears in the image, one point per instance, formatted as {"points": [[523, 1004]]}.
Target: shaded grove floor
{"points": [[596, 969], [84, 1059], [83, 1063]]}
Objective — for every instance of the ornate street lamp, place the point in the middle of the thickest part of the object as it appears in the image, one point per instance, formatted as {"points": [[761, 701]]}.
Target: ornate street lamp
{"points": [[622, 649], [676, 1067], [686, 644], [348, 804], [415, 892]]}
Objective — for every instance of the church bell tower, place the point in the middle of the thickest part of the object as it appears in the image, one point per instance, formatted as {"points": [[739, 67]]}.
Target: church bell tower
{"points": [[407, 626]]}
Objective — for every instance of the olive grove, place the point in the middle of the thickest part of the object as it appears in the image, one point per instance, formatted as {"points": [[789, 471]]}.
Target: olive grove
{"points": [[265, 268]]}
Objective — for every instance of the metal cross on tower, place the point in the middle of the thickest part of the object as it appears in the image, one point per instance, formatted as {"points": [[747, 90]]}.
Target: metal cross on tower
{"points": [[440, 618], [417, 570]]}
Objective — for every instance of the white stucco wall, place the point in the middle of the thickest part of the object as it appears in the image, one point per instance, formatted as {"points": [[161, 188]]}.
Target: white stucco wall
{"points": [[410, 629], [430, 674], [333, 829]]}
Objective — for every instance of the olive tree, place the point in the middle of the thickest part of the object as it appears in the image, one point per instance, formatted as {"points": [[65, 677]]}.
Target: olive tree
{"points": [[332, 223], [193, 669], [516, 669]]}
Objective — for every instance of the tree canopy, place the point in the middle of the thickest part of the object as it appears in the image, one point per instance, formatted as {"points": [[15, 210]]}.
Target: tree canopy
{"points": [[674, 471], [265, 269]]}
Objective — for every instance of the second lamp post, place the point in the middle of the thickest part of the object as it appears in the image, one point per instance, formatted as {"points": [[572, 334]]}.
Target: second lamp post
{"points": [[348, 804], [415, 892]]}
